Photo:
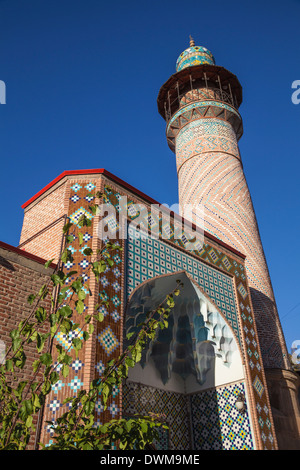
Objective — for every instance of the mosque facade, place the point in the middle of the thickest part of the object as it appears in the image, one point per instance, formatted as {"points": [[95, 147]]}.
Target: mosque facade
{"points": [[219, 374]]}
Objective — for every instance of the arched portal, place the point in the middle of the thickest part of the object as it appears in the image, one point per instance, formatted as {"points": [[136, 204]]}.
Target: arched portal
{"points": [[190, 371]]}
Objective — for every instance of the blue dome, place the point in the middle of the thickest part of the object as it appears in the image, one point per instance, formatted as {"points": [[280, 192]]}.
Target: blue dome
{"points": [[194, 55]]}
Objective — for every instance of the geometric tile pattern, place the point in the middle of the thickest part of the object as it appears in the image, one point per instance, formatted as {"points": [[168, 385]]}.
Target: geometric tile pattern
{"points": [[206, 135], [142, 400], [216, 423], [148, 258], [66, 340], [227, 264], [194, 55], [69, 386], [79, 213], [108, 340]]}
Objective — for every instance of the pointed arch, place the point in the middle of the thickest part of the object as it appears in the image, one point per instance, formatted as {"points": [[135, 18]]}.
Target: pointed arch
{"points": [[198, 350]]}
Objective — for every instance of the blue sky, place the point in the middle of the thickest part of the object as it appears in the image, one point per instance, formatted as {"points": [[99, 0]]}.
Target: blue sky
{"points": [[82, 80]]}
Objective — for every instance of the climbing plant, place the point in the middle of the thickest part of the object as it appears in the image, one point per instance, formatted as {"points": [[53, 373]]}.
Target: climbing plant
{"points": [[21, 400]]}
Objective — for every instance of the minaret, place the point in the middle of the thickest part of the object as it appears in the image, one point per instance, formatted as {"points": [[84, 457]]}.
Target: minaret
{"points": [[200, 104]]}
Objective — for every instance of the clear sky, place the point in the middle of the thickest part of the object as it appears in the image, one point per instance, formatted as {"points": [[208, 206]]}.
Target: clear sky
{"points": [[82, 79]]}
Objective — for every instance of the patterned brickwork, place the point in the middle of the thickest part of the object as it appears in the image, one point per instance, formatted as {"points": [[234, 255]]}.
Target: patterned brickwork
{"points": [[196, 110], [205, 136], [219, 258], [105, 342], [75, 381], [215, 180]]}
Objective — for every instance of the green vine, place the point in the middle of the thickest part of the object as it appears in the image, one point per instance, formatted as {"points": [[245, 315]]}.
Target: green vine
{"points": [[21, 400]]}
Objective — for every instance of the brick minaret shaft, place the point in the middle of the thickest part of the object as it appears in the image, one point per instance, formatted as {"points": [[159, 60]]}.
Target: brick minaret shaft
{"points": [[200, 105]]}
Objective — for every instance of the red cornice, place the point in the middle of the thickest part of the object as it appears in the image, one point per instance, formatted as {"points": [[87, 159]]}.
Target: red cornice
{"points": [[25, 254], [56, 180], [126, 186]]}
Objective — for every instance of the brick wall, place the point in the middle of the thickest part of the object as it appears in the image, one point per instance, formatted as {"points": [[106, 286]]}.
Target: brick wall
{"points": [[42, 226], [20, 276]]}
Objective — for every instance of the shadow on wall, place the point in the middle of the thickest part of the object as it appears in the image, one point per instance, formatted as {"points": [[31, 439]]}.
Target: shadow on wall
{"points": [[185, 373], [6, 264], [272, 342], [283, 383]]}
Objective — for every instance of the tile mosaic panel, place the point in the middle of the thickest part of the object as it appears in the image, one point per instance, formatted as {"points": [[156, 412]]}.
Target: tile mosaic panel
{"points": [[69, 386], [147, 258], [142, 400], [216, 423], [228, 263]]}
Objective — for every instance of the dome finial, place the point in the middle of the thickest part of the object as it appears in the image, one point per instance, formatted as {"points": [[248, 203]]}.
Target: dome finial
{"points": [[194, 55]]}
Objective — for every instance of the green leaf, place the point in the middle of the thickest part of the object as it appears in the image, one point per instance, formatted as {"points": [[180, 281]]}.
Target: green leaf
{"points": [[128, 425], [100, 317], [76, 285], [88, 252], [43, 292], [67, 359], [28, 422], [20, 359], [31, 299], [66, 256], [53, 319], [9, 365], [40, 341], [85, 335], [35, 365], [26, 409], [41, 314], [89, 407], [50, 261], [46, 388], [55, 278], [80, 237], [65, 370], [18, 392], [46, 359], [65, 311], [14, 334], [54, 377], [79, 306], [144, 427], [16, 343], [67, 226], [81, 295], [70, 238], [77, 343], [130, 362], [36, 400]]}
